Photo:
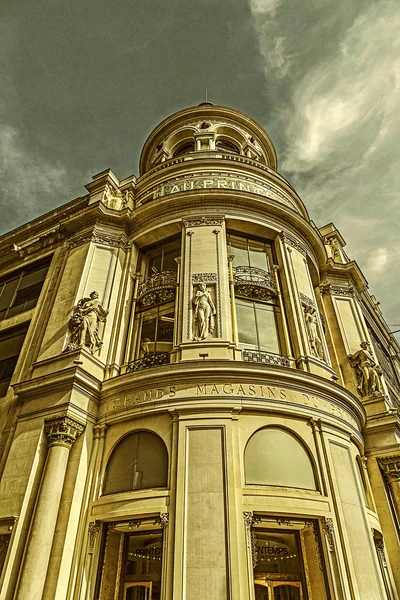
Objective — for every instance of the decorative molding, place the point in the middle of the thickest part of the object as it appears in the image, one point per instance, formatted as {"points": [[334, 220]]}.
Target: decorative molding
{"points": [[8, 522], [315, 424], [306, 300], [390, 467], [249, 522], [100, 238], [336, 290], [42, 242], [93, 532], [294, 244], [62, 431], [99, 432], [265, 358], [203, 221], [163, 520], [329, 531], [204, 277]]}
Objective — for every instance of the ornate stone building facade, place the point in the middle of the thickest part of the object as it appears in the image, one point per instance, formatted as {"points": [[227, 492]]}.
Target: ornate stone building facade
{"points": [[199, 397]]}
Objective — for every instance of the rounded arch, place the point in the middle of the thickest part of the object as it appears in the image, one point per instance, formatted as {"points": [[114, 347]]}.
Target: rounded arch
{"points": [[276, 456], [138, 461]]}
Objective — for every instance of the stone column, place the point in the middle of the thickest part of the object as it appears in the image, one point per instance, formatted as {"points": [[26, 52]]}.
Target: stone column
{"points": [[61, 433], [390, 467]]}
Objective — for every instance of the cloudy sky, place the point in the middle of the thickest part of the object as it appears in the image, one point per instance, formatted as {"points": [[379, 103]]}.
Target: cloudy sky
{"points": [[84, 82]]}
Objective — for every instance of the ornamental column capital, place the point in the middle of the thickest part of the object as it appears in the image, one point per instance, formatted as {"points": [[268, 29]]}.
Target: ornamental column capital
{"points": [[390, 467], [62, 431]]}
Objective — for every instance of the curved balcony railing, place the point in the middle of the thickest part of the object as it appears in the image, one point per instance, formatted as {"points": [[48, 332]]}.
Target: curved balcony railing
{"points": [[157, 288], [252, 282], [146, 362], [265, 358]]}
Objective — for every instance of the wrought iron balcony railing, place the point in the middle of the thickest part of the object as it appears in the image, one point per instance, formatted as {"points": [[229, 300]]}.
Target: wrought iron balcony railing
{"points": [[147, 362], [252, 282], [265, 358], [157, 288]]}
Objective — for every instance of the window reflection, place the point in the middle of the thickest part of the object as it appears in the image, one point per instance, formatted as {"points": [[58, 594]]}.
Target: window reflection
{"points": [[142, 566]]}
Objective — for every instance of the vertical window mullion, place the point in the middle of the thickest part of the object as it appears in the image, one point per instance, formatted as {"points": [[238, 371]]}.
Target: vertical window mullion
{"points": [[256, 322]]}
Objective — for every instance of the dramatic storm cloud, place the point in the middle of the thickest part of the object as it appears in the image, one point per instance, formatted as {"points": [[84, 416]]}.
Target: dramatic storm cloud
{"points": [[83, 84]]}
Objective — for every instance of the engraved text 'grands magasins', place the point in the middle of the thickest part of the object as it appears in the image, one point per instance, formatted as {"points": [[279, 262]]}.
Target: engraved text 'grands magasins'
{"points": [[243, 390]]}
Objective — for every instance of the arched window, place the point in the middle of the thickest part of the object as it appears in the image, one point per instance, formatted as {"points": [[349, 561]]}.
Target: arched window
{"points": [[184, 149], [275, 457], [139, 462], [226, 146]]}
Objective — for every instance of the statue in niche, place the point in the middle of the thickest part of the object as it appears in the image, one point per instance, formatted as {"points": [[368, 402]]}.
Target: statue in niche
{"points": [[367, 370], [84, 324], [203, 313], [310, 317]]}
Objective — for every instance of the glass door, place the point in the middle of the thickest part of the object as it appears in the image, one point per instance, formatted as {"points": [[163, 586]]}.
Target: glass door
{"points": [[279, 572], [138, 591], [276, 590]]}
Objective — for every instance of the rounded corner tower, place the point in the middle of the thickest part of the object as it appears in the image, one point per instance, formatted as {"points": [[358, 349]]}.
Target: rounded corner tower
{"points": [[222, 428]]}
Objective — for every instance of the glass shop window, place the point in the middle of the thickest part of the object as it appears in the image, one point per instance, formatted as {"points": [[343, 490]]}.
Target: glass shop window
{"points": [[130, 566], [10, 346], [20, 291], [287, 564], [139, 462]]}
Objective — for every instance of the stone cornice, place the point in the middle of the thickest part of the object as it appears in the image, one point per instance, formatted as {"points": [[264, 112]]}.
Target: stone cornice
{"points": [[66, 379]]}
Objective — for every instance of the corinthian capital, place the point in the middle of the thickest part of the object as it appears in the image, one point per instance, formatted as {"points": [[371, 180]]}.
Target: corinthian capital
{"points": [[62, 431], [390, 467]]}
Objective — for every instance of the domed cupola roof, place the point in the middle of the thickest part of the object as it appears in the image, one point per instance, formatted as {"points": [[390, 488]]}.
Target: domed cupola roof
{"points": [[216, 130]]}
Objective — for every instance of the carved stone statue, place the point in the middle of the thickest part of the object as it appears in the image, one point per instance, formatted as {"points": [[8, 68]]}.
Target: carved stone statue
{"points": [[203, 313], [333, 245], [84, 324], [368, 372], [312, 332]]}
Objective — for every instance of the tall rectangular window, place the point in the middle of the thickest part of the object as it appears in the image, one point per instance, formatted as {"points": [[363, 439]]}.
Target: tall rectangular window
{"points": [[20, 291], [10, 346]]}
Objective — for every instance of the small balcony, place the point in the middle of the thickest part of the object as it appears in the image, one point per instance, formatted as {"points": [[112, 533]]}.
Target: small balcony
{"points": [[157, 288], [255, 283], [147, 362]]}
